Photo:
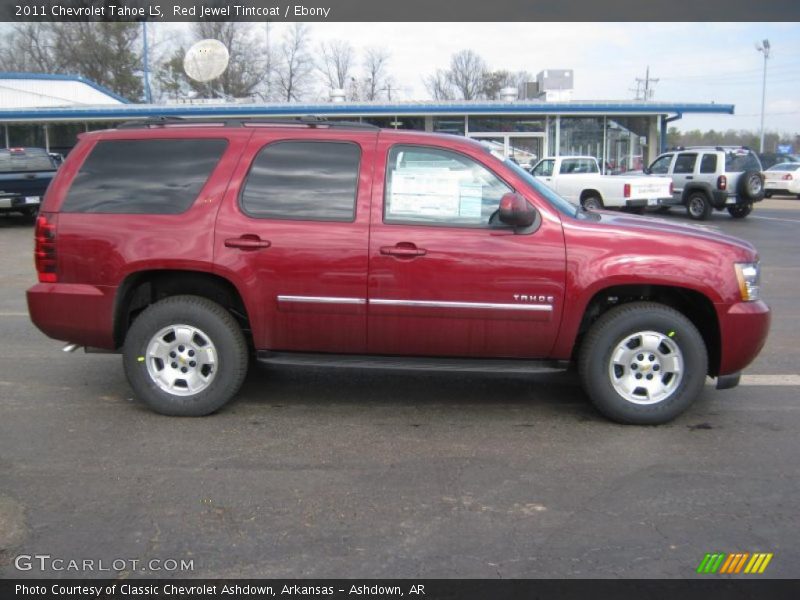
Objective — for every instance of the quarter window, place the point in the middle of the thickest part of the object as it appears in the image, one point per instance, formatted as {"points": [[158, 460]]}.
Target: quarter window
{"points": [[303, 181], [143, 176], [433, 186]]}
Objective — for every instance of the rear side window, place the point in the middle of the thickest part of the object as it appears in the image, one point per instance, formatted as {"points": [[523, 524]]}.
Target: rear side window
{"points": [[160, 177], [708, 164], [578, 165], [685, 163], [303, 181]]}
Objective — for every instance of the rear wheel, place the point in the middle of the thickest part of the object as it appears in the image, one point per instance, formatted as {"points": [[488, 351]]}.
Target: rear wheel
{"points": [[698, 206], [740, 211], [185, 356], [643, 363], [592, 203]]}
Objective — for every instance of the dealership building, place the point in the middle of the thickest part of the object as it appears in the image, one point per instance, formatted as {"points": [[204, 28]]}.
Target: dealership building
{"points": [[49, 111]]}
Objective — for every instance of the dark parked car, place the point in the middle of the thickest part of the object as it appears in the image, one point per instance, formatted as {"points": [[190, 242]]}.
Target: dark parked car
{"points": [[25, 174]]}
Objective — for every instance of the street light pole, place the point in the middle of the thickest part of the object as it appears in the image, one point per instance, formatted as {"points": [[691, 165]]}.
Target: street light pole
{"points": [[764, 48]]}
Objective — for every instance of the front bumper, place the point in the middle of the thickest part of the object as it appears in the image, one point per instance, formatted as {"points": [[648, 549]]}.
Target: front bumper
{"points": [[743, 332]]}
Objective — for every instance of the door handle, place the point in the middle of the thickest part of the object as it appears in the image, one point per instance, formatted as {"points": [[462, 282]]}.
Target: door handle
{"points": [[247, 242], [690, 177], [403, 250]]}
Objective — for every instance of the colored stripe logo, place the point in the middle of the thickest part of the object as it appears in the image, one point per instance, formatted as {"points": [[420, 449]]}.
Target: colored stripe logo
{"points": [[734, 564]]}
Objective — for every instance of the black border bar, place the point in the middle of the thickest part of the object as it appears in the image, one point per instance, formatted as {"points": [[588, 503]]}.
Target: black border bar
{"points": [[400, 10]]}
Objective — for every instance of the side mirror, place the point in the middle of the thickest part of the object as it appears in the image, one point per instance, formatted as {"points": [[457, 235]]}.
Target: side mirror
{"points": [[516, 211]]}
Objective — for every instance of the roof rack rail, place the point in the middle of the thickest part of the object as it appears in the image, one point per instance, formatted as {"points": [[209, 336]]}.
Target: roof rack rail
{"points": [[309, 121]]}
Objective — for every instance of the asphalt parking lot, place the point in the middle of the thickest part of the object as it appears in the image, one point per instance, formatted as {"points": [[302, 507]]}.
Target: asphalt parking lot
{"points": [[324, 473]]}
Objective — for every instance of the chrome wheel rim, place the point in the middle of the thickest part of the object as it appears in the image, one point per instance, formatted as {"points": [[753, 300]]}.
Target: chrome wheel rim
{"points": [[591, 204], [646, 367], [696, 206], [181, 360]]}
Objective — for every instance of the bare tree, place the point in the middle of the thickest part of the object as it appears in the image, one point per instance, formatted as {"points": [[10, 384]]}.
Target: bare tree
{"points": [[376, 78], [336, 63], [29, 48], [466, 74], [295, 63], [439, 85]]}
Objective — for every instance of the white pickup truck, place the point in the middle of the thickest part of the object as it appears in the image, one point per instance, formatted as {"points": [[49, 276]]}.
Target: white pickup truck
{"points": [[578, 179]]}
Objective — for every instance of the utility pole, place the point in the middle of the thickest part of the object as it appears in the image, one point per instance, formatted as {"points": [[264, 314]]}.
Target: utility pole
{"points": [[148, 95], [644, 89], [763, 47]]}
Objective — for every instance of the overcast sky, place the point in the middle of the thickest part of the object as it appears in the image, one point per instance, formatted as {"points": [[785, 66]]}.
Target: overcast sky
{"points": [[694, 62]]}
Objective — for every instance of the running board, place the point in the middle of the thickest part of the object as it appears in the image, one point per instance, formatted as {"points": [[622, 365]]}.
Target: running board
{"points": [[459, 365]]}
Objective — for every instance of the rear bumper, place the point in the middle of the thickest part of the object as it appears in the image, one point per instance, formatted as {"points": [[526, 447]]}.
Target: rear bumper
{"points": [[743, 330], [83, 314], [645, 202], [13, 202]]}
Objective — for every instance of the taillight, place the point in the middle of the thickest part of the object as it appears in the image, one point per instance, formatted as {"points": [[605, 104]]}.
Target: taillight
{"points": [[627, 190], [45, 248], [722, 182], [787, 177]]}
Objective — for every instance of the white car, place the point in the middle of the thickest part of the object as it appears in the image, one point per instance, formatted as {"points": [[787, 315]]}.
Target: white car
{"points": [[578, 179], [782, 179]]}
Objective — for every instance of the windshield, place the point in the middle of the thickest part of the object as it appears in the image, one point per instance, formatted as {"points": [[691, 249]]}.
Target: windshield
{"points": [[556, 201]]}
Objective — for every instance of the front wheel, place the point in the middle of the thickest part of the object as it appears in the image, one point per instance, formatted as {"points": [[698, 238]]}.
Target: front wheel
{"points": [[740, 211], [185, 356], [643, 363]]}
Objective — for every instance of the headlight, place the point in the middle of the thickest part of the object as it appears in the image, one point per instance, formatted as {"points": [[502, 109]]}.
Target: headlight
{"points": [[749, 276]]}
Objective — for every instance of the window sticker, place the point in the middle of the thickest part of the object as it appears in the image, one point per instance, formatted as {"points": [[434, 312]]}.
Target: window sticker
{"points": [[425, 193]]}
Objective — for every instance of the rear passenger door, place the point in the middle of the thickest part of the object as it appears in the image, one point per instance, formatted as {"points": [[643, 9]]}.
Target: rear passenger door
{"points": [[292, 233], [683, 172]]}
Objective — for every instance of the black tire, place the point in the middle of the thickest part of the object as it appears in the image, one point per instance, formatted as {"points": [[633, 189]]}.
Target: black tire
{"points": [[698, 206], [610, 331], [663, 210], [592, 202], [227, 344], [751, 186], [769, 195], [30, 211], [740, 211]]}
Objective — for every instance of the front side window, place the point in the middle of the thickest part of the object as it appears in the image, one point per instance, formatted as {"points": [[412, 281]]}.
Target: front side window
{"points": [[303, 181], [685, 163], [661, 165], [434, 186], [159, 176], [544, 168]]}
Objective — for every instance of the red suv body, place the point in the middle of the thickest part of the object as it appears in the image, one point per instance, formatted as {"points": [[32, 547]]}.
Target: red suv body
{"points": [[321, 242]]}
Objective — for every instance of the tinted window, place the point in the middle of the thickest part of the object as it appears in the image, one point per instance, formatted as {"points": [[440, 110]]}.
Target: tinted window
{"points": [[708, 164], [578, 165], [22, 161], [428, 185], [143, 176], [661, 165], [544, 168], [306, 181], [685, 163]]}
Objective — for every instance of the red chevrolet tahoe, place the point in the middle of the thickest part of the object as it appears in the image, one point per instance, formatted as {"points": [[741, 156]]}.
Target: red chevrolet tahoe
{"points": [[192, 246]]}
